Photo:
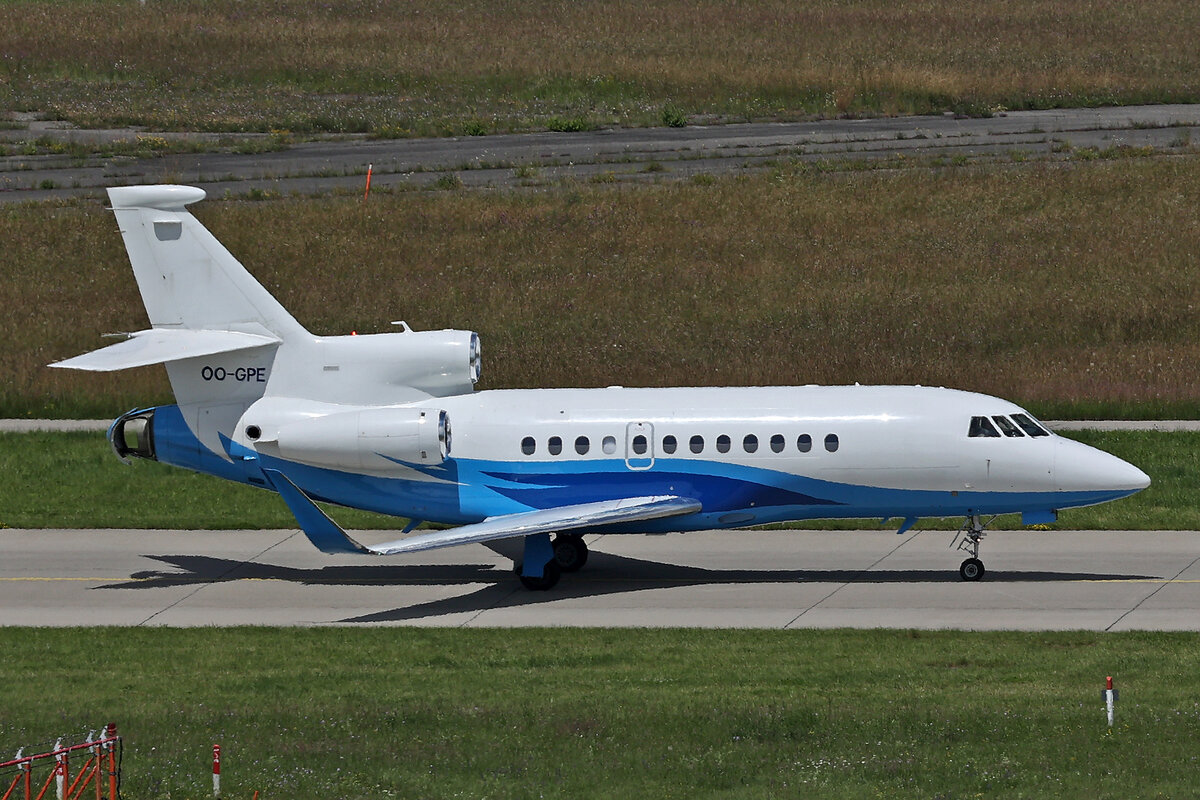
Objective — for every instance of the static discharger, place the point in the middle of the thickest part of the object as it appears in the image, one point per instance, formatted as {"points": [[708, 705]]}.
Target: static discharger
{"points": [[1110, 699]]}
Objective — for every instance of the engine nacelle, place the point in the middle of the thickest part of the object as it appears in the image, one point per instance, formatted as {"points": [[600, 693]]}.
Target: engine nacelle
{"points": [[373, 438], [377, 367]]}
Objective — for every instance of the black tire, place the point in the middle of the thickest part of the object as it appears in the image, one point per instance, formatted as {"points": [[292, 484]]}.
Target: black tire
{"points": [[571, 552], [971, 570], [549, 577]]}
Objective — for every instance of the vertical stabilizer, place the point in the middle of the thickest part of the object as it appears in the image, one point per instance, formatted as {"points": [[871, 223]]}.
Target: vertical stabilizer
{"points": [[187, 278]]}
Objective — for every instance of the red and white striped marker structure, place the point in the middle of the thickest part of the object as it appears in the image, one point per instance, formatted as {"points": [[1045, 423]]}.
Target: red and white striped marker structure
{"points": [[1110, 699], [216, 770]]}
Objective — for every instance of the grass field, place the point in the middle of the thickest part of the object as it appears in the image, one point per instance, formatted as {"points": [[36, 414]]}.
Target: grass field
{"points": [[72, 480], [1072, 290], [357, 713], [398, 69]]}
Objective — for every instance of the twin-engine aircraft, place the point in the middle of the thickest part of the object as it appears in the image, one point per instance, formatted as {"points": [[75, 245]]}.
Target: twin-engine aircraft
{"points": [[366, 422]]}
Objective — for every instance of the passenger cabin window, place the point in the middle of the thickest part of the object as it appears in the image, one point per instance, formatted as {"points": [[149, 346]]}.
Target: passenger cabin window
{"points": [[528, 445], [554, 445], [982, 427], [777, 443], [750, 443], [831, 442], [639, 445], [804, 443], [669, 444], [609, 445], [1007, 427], [582, 445], [1029, 426], [722, 444]]}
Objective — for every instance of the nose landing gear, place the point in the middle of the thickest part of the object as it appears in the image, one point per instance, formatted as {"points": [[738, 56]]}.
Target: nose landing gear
{"points": [[967, 539]]}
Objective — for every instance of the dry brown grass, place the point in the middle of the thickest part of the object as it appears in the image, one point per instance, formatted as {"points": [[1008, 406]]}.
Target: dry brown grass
{"points": [[1061, 287], [396, 68]]}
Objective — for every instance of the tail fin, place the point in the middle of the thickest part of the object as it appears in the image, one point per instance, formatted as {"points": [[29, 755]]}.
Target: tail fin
{"points": [[215, 327], [187, 278]]}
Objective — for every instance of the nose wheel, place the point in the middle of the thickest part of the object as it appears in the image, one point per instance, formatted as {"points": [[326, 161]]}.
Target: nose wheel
{"points": [[968, 538], [971, 569]]}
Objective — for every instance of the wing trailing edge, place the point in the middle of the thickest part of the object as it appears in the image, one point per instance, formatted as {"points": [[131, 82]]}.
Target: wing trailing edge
{"points": [[329, 537]]}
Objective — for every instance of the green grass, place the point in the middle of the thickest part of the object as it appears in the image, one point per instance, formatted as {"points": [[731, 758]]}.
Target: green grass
{"points": [[1070, 290], [72, 480], [356, 713], [397, 69]]}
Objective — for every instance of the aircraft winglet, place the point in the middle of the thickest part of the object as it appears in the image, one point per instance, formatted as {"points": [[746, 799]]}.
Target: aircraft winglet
{"points": [[321, 530]]}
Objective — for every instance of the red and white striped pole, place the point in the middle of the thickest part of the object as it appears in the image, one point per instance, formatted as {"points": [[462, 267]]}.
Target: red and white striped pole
{"points": [[60, 770], [216, 770], [1110, 699], [367, 193]]}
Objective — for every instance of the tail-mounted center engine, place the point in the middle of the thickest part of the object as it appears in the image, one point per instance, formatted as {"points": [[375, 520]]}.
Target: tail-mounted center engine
{"points": [[385, 368]]}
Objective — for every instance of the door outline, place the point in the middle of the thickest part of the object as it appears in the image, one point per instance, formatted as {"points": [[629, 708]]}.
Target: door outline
{"points": [[634, 460]]}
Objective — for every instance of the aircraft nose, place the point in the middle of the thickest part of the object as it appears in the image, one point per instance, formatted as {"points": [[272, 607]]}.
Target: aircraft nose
{"points": [[1080, 468]]}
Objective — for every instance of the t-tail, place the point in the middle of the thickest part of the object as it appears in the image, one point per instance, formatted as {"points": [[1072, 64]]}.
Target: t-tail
{"points": [[240, 366]]}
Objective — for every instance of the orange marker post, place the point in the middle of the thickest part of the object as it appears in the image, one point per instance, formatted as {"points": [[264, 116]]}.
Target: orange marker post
{"points": [[367, 192]]}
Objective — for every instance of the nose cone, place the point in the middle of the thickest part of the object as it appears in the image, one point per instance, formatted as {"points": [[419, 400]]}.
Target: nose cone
{"points": [[1080, 468]]}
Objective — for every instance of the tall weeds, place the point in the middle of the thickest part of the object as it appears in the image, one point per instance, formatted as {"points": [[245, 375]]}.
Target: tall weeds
{"points": [[1049, 285]]}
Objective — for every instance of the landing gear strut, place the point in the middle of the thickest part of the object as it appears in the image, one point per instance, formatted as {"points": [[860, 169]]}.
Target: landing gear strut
{"points": [[967, 540]]}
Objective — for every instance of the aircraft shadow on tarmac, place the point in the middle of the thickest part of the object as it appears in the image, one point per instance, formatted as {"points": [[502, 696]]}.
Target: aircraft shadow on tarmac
{"points": [[604, 574]]}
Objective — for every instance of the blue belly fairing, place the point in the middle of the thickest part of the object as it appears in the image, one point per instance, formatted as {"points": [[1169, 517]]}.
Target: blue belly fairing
{"points": [[468, 490]]}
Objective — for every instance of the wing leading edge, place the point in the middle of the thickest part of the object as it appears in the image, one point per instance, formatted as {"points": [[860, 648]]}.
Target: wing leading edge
{"points": [[329, 537]]}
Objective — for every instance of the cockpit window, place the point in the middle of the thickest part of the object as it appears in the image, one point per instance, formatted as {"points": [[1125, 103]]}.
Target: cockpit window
{"points": [[982, 426], [1029, 426], [1006, 425]]}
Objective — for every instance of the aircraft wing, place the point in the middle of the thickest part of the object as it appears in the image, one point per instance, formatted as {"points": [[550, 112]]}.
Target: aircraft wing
{"points": [[329, 537], [159, 345], [548, 520]]}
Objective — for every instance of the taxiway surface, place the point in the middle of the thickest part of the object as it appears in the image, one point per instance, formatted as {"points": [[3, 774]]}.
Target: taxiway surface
{"points": [[618, 154], [762, 579]]}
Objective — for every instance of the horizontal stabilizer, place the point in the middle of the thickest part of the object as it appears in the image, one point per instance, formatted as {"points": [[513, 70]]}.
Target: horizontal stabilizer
{"points": [[161, 345], [549, 520]]}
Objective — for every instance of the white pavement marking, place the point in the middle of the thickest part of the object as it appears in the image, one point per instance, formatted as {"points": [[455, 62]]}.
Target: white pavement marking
{"points": [[1056, 580]]}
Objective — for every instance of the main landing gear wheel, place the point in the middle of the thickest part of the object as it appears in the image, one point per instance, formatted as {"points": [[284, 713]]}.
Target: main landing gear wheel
{"points": [[570, 551], [971, 569], [549, 577]]}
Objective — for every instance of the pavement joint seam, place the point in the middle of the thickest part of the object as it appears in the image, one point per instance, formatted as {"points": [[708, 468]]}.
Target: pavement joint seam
{"points": [[904, 540], [218, 578], [1161, 586]]}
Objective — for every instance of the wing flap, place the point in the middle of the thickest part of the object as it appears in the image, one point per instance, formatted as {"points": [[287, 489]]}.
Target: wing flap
{"points": [[160, 345], [525, 523]]}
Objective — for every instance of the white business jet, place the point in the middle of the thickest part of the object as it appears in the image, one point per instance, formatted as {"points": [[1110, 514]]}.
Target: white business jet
{"points": [[365, 422]]}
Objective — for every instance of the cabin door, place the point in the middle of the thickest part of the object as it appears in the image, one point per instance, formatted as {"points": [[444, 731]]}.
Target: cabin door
{"points": [[639, 445]]}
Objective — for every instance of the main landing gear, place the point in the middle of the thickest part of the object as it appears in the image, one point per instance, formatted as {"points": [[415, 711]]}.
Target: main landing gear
{"points": [[570, 554], [967, 540], [570, 551]]}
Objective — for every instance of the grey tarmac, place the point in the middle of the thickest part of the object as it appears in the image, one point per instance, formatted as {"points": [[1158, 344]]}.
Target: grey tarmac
{"points": [[1036, 580], [619, 154]]}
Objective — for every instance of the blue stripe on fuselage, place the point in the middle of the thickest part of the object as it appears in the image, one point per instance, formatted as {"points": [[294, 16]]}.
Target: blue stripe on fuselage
{"points": [[469, 490]]}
